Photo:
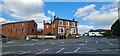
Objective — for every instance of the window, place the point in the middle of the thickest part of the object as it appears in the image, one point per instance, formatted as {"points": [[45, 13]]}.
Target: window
{"points": [[47, 26], [16, 30], [11, 30], [61, 30], [22, 24], [67, 23], [53, 25], [32, 30], [8, 30], [60, 22], [34, 25], [73, 30], [23, 30], [73, 24], [13, 25]]}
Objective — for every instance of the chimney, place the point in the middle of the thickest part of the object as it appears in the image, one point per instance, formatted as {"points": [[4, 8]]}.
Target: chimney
{"points": [[51, 21], [44, 21], [73, 19], [54, 16]]}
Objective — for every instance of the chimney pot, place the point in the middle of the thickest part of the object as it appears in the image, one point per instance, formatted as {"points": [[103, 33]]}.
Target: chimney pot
{"points": [[44, 21], [73, 19], [54, 16], [51, 21]]}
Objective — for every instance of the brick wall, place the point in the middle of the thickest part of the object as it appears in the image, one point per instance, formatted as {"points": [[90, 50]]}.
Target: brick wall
{"points": [[19, 30]]}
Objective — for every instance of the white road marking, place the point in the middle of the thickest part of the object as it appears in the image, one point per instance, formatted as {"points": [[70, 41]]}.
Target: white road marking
{"points": [[90, 51], [31, 44], [86, 41], [62, 42], [25, 44], [25, 52], [104, 38], [43, 43], [42, 51], [117, 49], [53, 43], [110, 43], [68, 52], [71, 44], [77, 49], [97, 42], [105, 50], [87, 51], [60, 50], [73, 51], [6, 53]]}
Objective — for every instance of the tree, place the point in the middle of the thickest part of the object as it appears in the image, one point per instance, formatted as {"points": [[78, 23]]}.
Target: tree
{"points": [[107, 34]]}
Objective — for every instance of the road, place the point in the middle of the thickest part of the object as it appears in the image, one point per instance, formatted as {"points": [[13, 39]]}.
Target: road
{"points": [[82, 45]]}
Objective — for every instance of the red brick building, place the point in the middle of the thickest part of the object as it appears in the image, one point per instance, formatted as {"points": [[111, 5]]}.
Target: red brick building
{"points": [[19, 29], [61, 27]]}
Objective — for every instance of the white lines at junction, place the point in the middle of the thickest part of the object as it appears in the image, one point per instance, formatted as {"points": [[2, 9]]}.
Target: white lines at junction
{"points": [[97, 42], [105, 50], [42, 51], [25, 52], [77, 49], [6, 53], [62, 42], [73, 51], [71, 44], [110, 43], [60, 50], [86, 41], [53, 43]]}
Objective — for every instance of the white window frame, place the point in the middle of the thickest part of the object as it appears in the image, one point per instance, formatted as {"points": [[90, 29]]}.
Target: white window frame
{"points": [[60, 31], [67, 23], [53, 25], [22, 24], [62, 22], [47, 26], [73, 24], [72, 30]]}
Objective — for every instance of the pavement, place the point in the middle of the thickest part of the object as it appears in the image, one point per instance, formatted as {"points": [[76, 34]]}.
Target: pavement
{"points": [[82, 45]]}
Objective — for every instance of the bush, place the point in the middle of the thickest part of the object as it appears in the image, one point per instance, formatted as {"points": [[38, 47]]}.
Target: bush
{"points": [[107, 34], [49, 33]]}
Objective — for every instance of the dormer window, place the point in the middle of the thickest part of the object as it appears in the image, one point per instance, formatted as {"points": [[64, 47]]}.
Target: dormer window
{"points": [[60, 22], [67, 23], [73, 24]]}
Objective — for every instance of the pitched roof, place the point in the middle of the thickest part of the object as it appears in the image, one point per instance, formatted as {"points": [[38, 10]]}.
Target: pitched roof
{"points": [[48, 23], [65, 19], [117, 21], [94, 31], [18, 22]]}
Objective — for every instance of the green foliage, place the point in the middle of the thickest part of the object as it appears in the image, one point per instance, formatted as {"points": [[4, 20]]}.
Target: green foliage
{"points": [[49, 33], [107, 34]]}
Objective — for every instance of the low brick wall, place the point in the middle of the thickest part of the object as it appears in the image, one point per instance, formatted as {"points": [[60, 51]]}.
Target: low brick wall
{"points": [[42, 36]]}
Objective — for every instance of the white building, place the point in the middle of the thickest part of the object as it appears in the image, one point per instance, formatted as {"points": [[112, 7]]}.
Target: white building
{"points": [[98, 32]]}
